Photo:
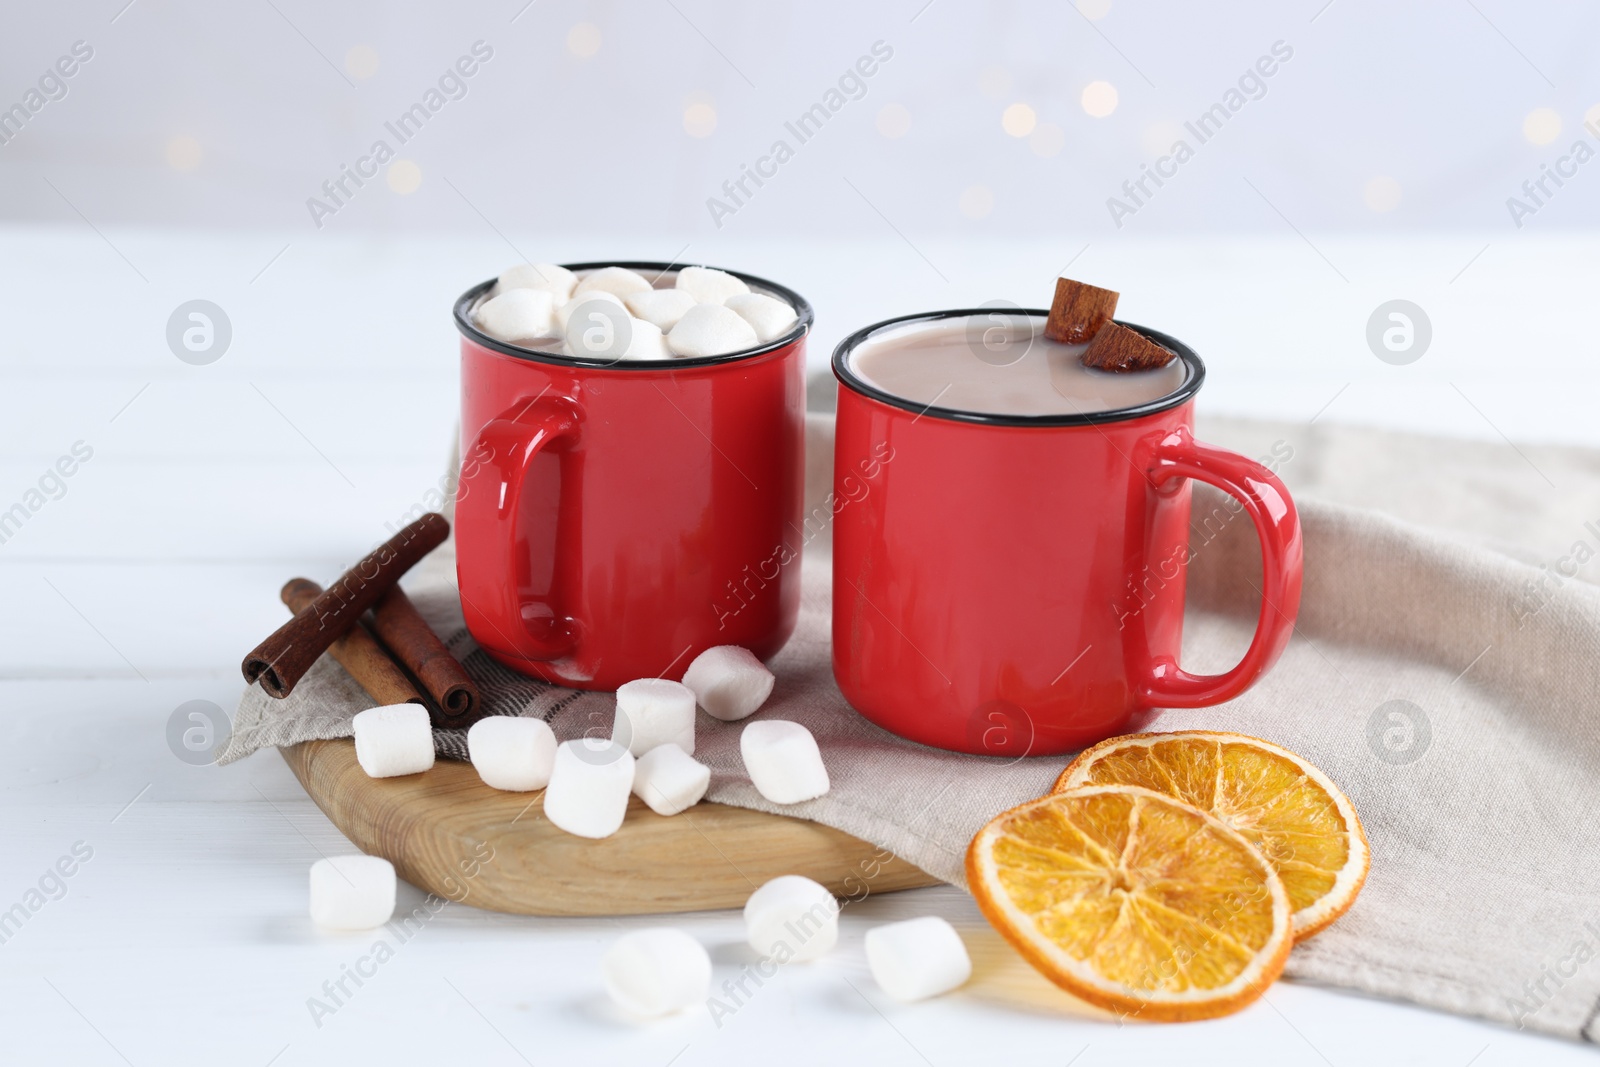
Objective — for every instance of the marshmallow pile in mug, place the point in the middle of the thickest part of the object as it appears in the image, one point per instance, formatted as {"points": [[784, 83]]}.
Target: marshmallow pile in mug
{"points": [[616, 313]]}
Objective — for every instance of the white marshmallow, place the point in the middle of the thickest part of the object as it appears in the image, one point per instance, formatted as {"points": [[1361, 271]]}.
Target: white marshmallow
{"points": [[729, 682], [511, 752], [791, 918], [352, 892], [709, 286], [517, 315], [589, 787], [664, 307], [646, 341], [654, 711], [599, 329], [711, 330], [394, 739], [564, 312], [547, 276], [783, 761], [618, 280], [670, 780], [653, 972], [918, 958], [769, 317]]}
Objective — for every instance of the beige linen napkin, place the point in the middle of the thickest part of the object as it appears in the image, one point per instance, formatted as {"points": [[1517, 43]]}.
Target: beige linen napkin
{"points": [[1445, 672]]}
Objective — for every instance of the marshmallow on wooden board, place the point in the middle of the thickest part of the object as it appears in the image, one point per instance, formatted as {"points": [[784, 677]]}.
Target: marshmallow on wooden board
{"points": [[770, 317], [558, 281], [589, 788], [511, 752], [517, 315], [654, 711], [656, 971], [708, 285], [664, 307], [616, 280], [710, 330], [393, 739], [352, 892], [670, 780], [917, 958], [791, 919], [783, 761], [729, 682]]}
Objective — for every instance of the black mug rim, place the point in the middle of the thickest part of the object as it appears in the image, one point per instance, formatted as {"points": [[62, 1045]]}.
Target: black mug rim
{"points": [[802, 309], [1194, 376]]}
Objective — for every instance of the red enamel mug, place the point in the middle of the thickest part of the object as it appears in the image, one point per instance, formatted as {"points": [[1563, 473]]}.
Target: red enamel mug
{"points": [[1014, 585], [615, 518]]}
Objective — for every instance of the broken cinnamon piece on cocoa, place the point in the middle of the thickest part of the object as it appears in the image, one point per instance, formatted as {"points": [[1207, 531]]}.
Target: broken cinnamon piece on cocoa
{"points": [[1117, 348], [1078, 311]]}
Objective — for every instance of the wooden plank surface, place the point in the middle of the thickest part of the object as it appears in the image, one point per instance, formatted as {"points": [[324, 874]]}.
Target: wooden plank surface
{"points": [[440, 829]]}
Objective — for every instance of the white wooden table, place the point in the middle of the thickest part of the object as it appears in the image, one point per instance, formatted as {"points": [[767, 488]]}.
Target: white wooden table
{"points": [[184, 938]]}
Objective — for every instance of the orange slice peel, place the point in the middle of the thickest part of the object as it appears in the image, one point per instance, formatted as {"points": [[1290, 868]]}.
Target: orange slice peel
{"points": [[1134, 901], [1304, 826]]}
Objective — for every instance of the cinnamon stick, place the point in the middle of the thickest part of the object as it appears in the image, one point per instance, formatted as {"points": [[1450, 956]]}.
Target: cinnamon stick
{"points": [[357, 652], [1117, 348], [282, 660], [412, 641], [1078, 311]]}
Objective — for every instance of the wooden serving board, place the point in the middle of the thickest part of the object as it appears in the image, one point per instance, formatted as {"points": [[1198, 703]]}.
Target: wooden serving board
{"points": [[438, 829]]}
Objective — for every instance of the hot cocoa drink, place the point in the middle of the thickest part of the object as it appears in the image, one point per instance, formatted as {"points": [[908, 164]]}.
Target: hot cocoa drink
{"points": [[1001, 364]]}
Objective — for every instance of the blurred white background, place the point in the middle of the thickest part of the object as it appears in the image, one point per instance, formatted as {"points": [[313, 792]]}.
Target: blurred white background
{"points": [[1000, 119]]}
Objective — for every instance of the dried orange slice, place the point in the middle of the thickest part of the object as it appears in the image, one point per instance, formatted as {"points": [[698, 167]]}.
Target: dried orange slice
{"points": [[1133, 901], [1305, 827]]}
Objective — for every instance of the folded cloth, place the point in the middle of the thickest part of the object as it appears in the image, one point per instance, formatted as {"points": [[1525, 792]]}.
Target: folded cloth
{"points": [[1446, 678]]}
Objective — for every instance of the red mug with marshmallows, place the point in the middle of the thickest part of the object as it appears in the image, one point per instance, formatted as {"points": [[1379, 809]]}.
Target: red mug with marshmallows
{"points": [[614, 517], [1013, 585]]}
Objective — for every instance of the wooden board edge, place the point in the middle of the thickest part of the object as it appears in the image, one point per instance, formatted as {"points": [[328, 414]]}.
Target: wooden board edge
{"points": [[534, 869]]}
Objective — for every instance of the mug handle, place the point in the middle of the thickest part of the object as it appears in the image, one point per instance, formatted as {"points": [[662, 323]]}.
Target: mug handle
{"points": [[1179, 455], [488, 499]]}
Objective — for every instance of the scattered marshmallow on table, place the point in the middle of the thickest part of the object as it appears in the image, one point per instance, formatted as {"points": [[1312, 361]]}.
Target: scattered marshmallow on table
{"points": [[654, 711], [711, 330], [664, 307], [656, 971], [783, 761], [670, 780], [769, 317], [547, 276], [708, 285], [516, 314], [918, 958], [511, 752], [352, 892], [729, 682], [791, 918], [617, 280], [589, 787], [394, 739]]}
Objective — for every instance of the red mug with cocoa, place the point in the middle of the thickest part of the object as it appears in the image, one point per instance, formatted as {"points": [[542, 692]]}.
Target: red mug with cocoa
{"points": [[618, 516], [1008, 572]]}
